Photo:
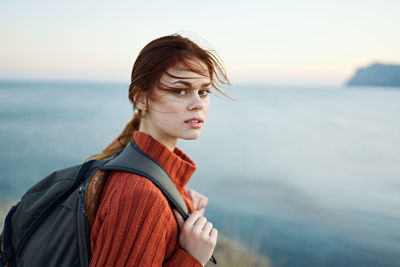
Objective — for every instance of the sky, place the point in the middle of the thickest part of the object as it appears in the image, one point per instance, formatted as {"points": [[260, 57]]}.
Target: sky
{"points": [[283, 42]]}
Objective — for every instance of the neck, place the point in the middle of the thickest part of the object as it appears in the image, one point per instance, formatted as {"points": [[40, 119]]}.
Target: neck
{"points": [[169, 142]]}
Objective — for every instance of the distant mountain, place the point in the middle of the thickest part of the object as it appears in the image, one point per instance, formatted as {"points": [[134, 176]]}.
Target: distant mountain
{"points": [[377, 75]]}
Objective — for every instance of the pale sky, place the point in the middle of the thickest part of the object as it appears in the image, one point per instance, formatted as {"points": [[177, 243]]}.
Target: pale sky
{"points": [[295, 42]]}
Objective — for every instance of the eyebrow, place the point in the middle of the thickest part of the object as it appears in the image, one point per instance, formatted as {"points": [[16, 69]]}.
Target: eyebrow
{"points": [[189, 84]]}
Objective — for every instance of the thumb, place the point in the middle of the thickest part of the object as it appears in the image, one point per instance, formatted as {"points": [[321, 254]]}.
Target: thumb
{"points": [[179, 219]]}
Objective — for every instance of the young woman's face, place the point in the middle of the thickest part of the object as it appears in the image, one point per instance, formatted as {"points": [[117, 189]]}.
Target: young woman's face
{"points": [[179, 112]]}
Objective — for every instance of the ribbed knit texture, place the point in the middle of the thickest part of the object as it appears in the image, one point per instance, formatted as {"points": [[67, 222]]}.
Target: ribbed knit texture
{"points": [[134, 225]]}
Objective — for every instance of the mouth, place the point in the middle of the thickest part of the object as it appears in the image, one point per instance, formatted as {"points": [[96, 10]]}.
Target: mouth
{"points": [[195, 122]]}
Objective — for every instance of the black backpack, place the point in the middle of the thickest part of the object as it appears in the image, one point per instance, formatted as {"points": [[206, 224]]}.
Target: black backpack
{"points": [[50, 226]]}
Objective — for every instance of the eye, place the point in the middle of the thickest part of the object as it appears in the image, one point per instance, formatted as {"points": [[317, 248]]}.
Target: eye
{"points": [[204, 92], [180, 91]]}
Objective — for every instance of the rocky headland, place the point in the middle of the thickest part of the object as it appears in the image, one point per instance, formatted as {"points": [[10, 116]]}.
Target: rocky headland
{"points": [[377, 74]]}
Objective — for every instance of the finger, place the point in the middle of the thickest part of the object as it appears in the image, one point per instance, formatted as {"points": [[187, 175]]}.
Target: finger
{"points": [[205, 201], [202, 199], [194, 198], [214, 234], [201, 211], [179, 219], [192, 194], [200, 222], [192, 218], [207, 228]]}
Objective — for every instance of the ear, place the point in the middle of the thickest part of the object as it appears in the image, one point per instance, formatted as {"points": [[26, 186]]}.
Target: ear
{"points": [[140, 99]]}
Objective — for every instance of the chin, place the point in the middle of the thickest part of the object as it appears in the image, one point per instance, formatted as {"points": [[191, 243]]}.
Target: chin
{"points": [[193, 136]]}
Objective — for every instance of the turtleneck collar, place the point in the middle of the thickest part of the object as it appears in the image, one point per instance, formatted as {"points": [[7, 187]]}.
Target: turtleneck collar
{"points": [[177, 164]]}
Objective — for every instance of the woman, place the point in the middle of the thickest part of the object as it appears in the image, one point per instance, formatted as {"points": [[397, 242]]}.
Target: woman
{"points": [[170, 85]]}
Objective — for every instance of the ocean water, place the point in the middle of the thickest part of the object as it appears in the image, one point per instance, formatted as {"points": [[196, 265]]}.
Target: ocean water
{"points": [[307, 175]]}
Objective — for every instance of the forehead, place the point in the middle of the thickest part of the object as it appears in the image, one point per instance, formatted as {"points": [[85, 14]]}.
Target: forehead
{"points": [[181, 72]]}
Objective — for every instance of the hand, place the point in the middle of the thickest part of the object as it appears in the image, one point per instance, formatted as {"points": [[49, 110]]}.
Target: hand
{"points": [[197, 236], [199, 201]]}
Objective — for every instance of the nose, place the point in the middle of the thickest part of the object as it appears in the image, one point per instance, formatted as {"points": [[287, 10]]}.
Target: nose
{"points": [[196, 102]]}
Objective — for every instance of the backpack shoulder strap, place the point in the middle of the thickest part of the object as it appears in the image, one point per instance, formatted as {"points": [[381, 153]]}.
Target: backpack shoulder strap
{"points": [[132, 159]]}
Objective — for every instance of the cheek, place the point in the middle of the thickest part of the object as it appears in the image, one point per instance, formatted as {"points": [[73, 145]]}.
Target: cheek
{"points": [[206, 106], [167, 112], [166, 104], [173, 107]]}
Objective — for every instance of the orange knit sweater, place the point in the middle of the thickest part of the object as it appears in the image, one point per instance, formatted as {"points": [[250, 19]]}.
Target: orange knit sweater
{"points": [[135, 225]]}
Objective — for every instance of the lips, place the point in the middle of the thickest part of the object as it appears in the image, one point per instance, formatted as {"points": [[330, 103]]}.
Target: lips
{"points": [[195, 123], [194, 120]]}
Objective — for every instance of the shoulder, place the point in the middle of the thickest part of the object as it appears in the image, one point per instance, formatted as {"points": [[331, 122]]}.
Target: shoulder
{"points": [[135, 191], [132, 182]]}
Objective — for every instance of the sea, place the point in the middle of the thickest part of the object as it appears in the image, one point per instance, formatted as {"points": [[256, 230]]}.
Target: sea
{"points": [[306, 175]]}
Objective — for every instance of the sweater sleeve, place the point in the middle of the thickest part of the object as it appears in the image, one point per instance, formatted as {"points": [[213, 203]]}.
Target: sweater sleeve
{"points": [[134, 230], [182, 258]]}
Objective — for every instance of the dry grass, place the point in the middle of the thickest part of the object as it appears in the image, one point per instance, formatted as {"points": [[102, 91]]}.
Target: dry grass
{"points": [[5, 206], [227, 252], [232, 254]]}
